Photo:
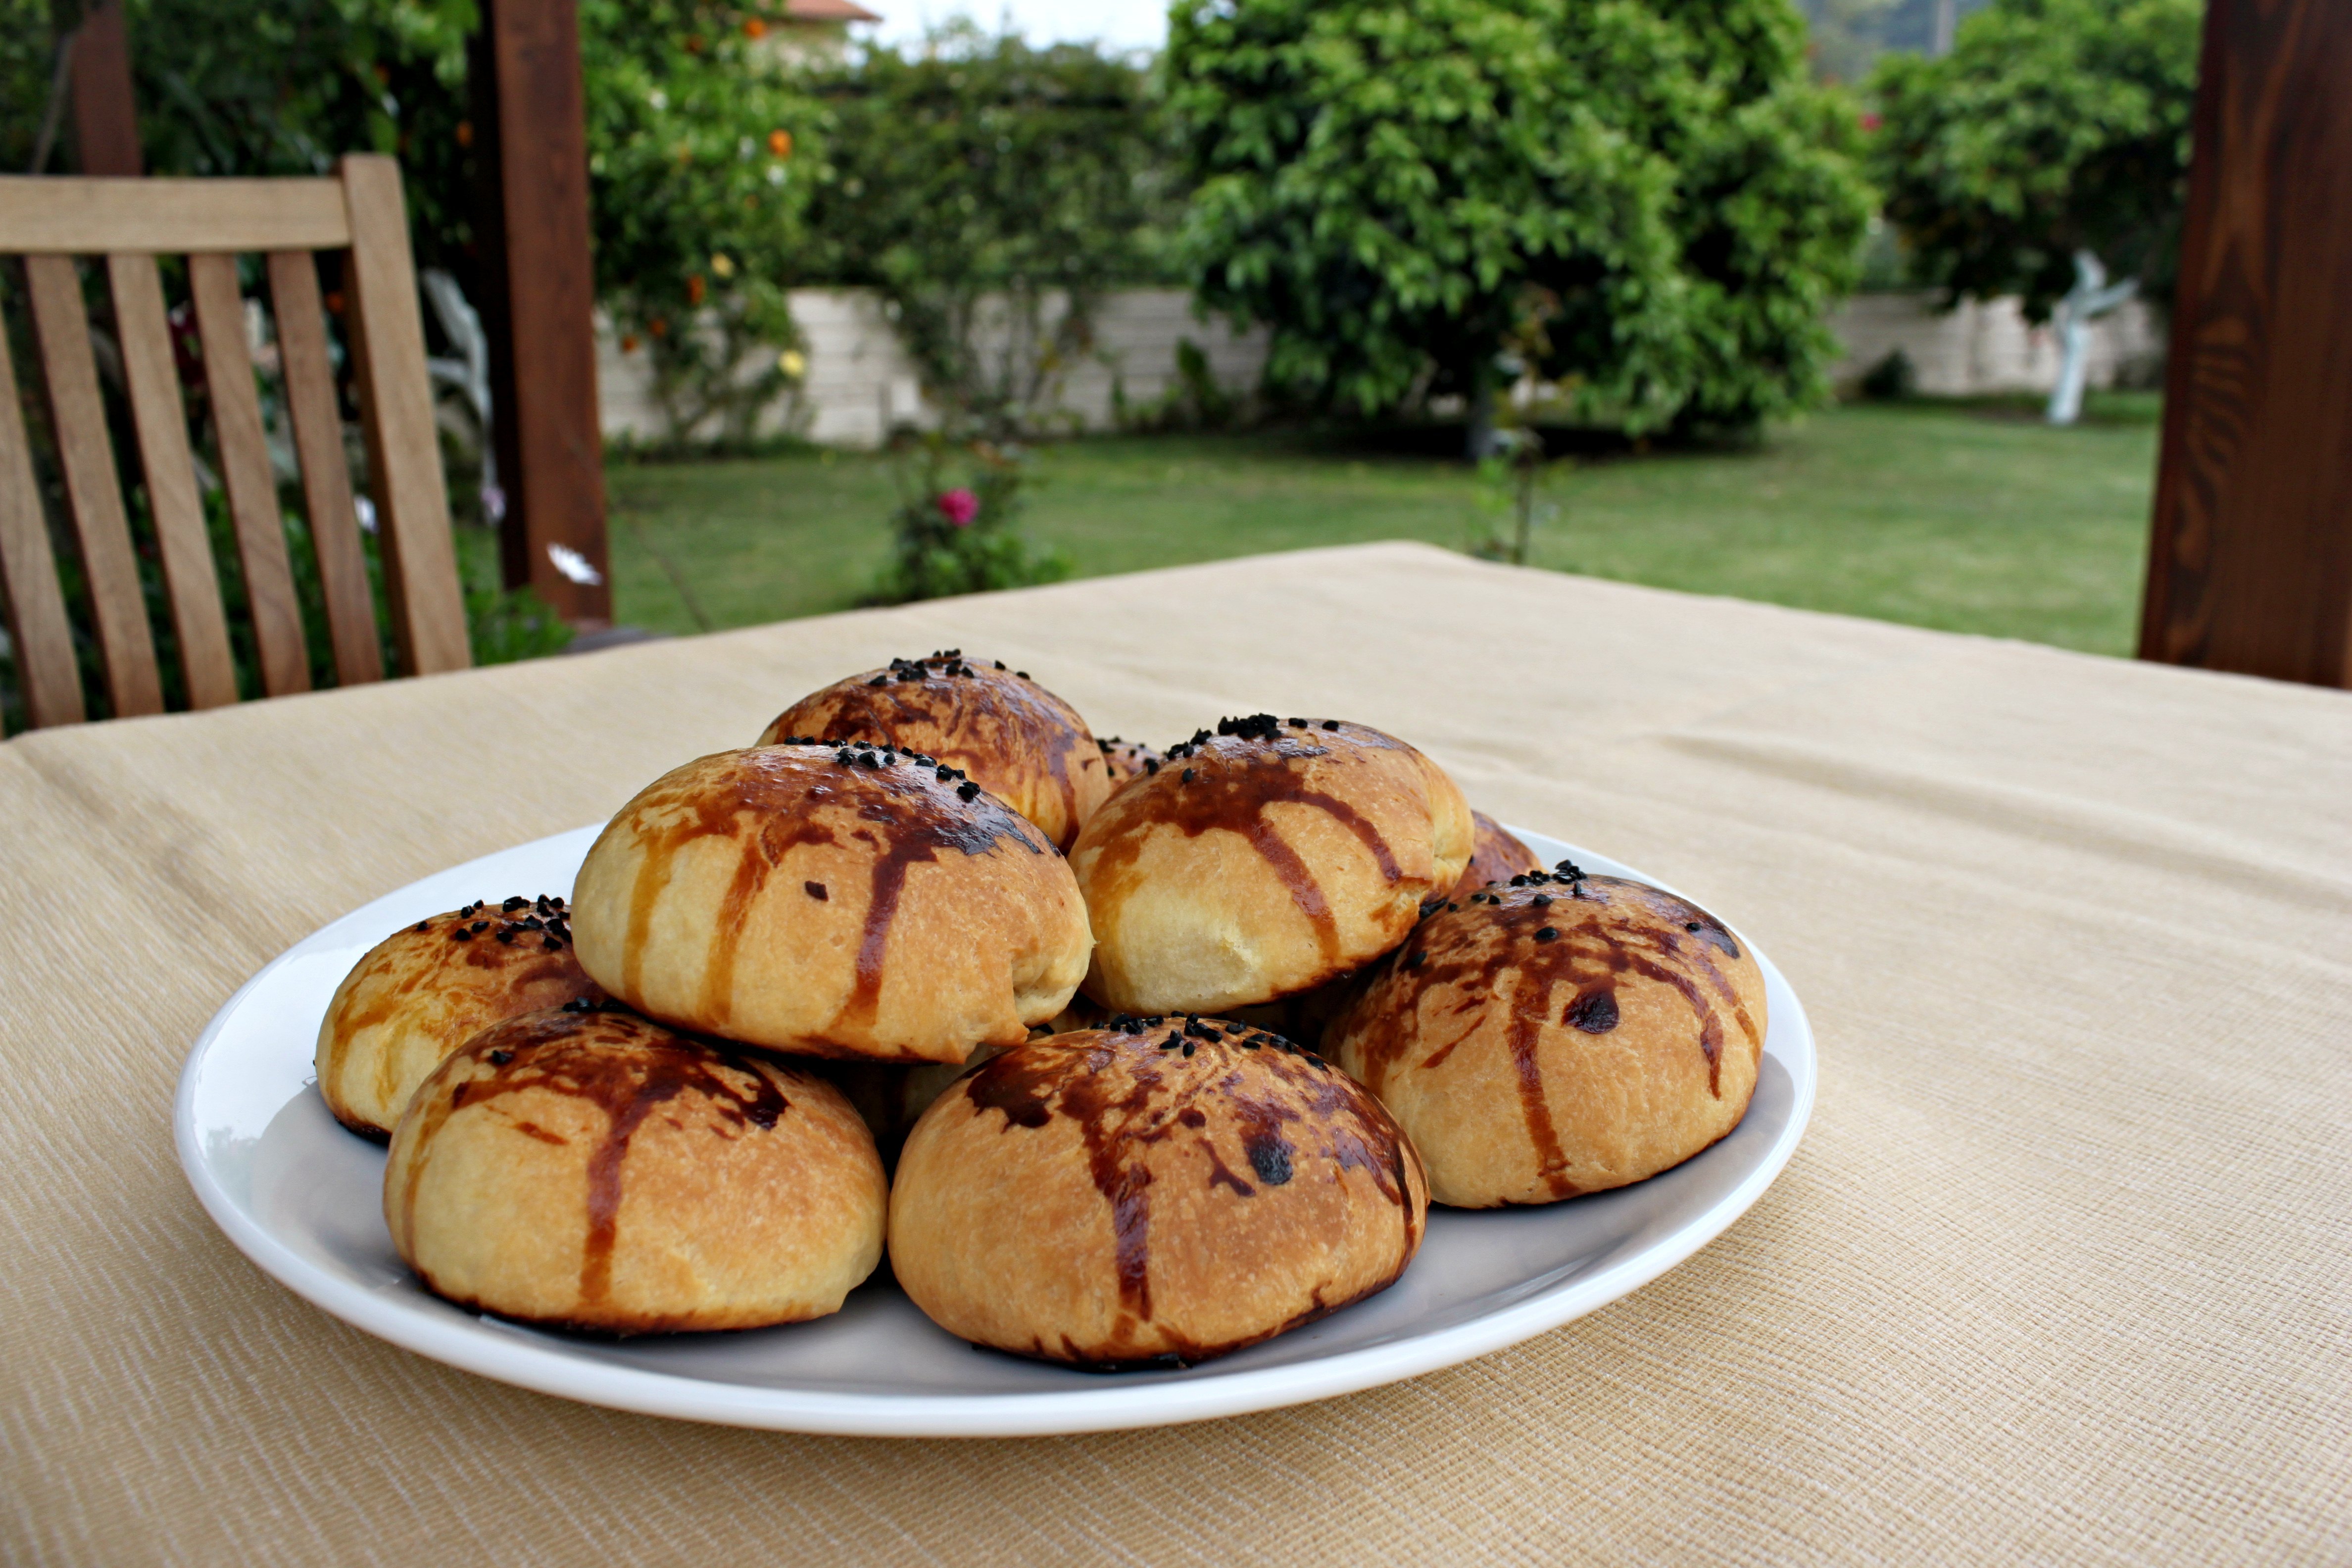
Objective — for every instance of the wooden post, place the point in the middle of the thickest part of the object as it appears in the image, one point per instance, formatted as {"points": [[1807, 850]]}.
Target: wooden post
{"points": [[538, 302], [105, 115], [2250, 563]]}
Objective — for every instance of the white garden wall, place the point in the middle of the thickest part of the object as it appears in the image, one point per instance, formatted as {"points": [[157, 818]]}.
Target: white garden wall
{"points": [[859, 382]]}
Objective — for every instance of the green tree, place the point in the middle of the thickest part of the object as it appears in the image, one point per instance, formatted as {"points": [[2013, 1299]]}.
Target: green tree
{"points": [[2046, 152], [1393, 190], [992, 192], [701, 159]]}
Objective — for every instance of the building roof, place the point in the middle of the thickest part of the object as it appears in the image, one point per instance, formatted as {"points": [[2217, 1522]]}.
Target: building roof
{"points": [[829, 11]]}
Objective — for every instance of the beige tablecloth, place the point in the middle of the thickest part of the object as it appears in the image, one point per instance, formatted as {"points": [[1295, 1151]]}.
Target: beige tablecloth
{"points": [[2060, 1273]]}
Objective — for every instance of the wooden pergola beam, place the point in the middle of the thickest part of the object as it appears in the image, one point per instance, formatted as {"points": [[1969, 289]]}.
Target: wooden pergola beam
{"points": [[105, 114], [538, 302], [2250, 562]]}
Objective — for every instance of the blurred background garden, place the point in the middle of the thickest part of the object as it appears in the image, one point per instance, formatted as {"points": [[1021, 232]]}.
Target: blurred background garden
{"points": [[1857, 306]]}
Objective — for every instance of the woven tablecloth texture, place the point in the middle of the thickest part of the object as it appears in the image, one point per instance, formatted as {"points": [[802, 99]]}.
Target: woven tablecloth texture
{"points": [[2060, 1273]]}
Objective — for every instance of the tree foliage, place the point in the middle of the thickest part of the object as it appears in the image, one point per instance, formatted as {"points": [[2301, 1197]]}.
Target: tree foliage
{"points": [[1645, 198], [992, 191], [699, 163], [2052, 126]]}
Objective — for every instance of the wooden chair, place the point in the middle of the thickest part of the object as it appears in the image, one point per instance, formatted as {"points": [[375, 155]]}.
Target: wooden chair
{"points": [[361, 211]]}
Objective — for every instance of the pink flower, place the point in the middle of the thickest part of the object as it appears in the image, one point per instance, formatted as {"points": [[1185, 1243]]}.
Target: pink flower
{"points": [[958, 507], [1871, 122]]}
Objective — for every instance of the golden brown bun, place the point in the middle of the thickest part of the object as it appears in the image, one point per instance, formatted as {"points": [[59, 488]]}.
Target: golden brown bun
{"points": [[1128, 760], [596, 1170], [427, 989], [1496, 856], [782, 897], [1529, 1067], [1101, 1199], [1024, 744], [1264, 861]]}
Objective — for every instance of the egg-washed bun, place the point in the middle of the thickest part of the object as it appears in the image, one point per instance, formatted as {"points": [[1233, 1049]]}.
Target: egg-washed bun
{"points": [[1496, 856], [1021, 742], [1563, 1037], [1128, 760], [1262, 861], [831, 901], [427, 989], [593, 1170], [1165, 1190]]}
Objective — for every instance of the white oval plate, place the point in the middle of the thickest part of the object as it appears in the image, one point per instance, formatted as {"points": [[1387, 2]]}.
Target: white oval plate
{"points": [[303, 1198]]}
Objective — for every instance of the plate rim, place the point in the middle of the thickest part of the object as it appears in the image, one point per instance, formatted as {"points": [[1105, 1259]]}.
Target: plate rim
{"points": [[515, 1360]]}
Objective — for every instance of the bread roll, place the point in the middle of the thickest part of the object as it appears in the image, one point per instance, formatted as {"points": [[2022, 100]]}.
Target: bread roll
{"points": [[1128, 760], [427, 989], [1496, 856], [1160, 1192], [1264, 861], [1021, 742], [831, 902], [593, 1170], [1567, 1036]]}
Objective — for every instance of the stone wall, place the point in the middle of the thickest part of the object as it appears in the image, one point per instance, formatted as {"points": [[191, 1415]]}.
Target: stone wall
{"points": [[859, 384], [1982, 349]]}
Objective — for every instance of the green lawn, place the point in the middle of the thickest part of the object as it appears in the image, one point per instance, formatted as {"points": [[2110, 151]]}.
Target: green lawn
{"points": [[1972, 517]]}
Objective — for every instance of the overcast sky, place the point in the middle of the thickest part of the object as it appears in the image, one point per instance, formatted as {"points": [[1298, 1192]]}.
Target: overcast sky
{"points": [[1121, 24]]}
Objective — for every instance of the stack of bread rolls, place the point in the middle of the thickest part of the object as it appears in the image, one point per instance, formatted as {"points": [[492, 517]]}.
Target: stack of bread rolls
{"points": [[1171, 1050]]}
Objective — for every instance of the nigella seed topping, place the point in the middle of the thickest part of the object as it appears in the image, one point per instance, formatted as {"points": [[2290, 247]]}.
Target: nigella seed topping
{"points": [[1330, 723], [879, 680], [478, 927], [549, 944], [1541, 900], [1150, 765], [1190, 774], [1544, 933], [945, 774], [1415, 961], [507, 935], [580, 1004], [1690, 925], [1519, 881], [501, 1058], [423, 924], [999, 664], [1188, 1048], [461, 935], [1021, 675], [968, 791]]}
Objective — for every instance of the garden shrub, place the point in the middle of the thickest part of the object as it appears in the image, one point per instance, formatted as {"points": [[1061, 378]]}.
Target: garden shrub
{"points": [[2052, 126], [956, 527], [981, 172], [1386, 189]]}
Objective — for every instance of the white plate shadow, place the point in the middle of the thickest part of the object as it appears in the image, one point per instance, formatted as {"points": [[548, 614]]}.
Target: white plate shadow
{"points": [[303, 1198]]}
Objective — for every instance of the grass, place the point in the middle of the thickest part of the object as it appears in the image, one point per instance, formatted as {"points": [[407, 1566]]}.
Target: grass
{"points": [[1966, 516]]}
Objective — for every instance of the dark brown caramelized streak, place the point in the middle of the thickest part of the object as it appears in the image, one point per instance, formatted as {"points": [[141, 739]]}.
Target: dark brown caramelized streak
{"points": [[1228, 782], [1600, 927], [903, 814], [626, 1067], [1130, 1086]]}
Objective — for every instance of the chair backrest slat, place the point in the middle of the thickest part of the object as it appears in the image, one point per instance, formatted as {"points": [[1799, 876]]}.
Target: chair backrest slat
{"points": [[191, 581], [247, 475], [326, 480], [173, 218], [93, 495], [420, 560], [38, 631]]}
